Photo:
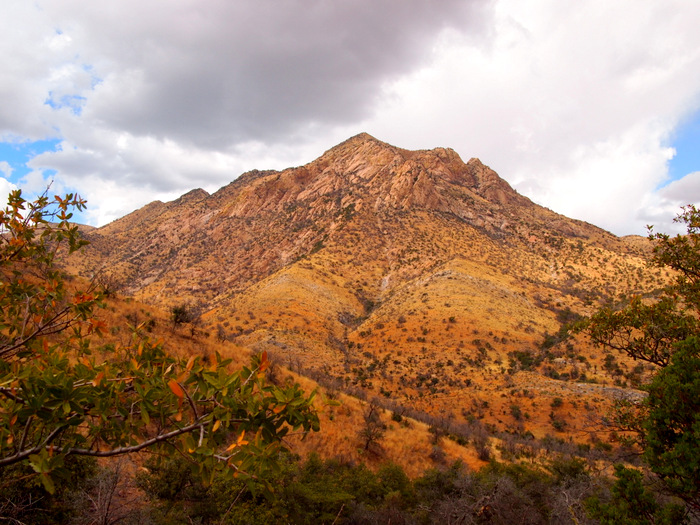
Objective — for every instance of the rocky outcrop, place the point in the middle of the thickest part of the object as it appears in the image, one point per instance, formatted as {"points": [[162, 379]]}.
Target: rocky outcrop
{"points": [[265, 220]]}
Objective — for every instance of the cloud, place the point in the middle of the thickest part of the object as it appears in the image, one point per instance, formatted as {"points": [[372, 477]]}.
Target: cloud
{"points": [[166, 95], [668, 203], [5, 168], [119, 172], [250, 70], [574, 104], [5, 188], [26, 60], [683, 191]]}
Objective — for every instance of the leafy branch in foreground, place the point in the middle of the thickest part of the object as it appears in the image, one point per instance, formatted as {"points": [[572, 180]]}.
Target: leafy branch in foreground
{"points": [[665, 332], [60, 396]]}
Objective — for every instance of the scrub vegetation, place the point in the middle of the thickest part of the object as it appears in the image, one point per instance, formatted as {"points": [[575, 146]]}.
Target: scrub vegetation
{"points": [[113, 411]]}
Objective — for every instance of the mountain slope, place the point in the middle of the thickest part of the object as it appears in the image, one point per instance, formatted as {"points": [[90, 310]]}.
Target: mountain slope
{"points": [[264, 221], [409, 274]]}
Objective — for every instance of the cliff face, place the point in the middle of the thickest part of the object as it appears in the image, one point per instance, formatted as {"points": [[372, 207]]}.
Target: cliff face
{"points": [[366, 173]]}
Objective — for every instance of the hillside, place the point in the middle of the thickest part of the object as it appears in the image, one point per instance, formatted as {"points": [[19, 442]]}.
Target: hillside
{"points": [[408, 275]]}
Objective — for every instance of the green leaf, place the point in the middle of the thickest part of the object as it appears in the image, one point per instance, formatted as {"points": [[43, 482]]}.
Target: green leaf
{"points": [[48, 483], [144, 414]]}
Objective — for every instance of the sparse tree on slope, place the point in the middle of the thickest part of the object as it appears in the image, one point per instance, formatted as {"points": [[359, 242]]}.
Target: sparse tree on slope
{"points": [[373, 429]]}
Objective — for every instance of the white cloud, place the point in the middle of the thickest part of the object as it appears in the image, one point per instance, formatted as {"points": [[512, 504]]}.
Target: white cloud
{"points": [[683, 191], [5, 185], [5, 188], [5, 168], [159, 97], [254, 69], [572, 103], [121, 172], [668, 202]]}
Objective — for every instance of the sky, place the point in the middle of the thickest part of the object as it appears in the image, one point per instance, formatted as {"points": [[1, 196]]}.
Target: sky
{"points": [[590, 108]]}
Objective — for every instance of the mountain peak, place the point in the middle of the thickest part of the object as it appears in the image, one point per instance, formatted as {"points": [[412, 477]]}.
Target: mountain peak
{"points": [[362, 137], [346, 264], [360, 142], [192, 196], [370, 174]]}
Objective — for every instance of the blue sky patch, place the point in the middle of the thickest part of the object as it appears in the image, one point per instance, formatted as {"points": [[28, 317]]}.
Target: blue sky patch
{"points": [[73, 102], [687, 144], [18, 154]]}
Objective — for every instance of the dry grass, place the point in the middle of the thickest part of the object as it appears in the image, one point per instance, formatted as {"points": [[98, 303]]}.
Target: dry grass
{"points": [[403, 280]]}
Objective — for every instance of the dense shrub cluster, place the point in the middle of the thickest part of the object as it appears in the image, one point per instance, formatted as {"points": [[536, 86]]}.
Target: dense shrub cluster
{"points": [[315, 491]]}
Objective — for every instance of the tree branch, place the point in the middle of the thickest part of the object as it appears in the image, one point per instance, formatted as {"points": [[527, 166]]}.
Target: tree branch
{"points": [[26, 453], [52, 326]]}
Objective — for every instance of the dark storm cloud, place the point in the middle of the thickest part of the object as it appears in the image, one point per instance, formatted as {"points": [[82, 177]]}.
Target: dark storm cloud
{"points": [[218, 73]]}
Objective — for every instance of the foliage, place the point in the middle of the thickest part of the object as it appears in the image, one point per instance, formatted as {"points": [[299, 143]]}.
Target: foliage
{"points": [[24, 499], [631, 503], [189, 314], [180, 314], [642, 330], [314, 491], [61, 396], [568, 469], [108, 497], [671, 428], [664, 332], [335, 491], [648, 330], [178, 495], [34, 300]]}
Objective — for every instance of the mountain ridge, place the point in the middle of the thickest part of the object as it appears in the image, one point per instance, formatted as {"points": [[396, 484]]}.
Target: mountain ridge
{"points": [[377, 267], [287, 214]]}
